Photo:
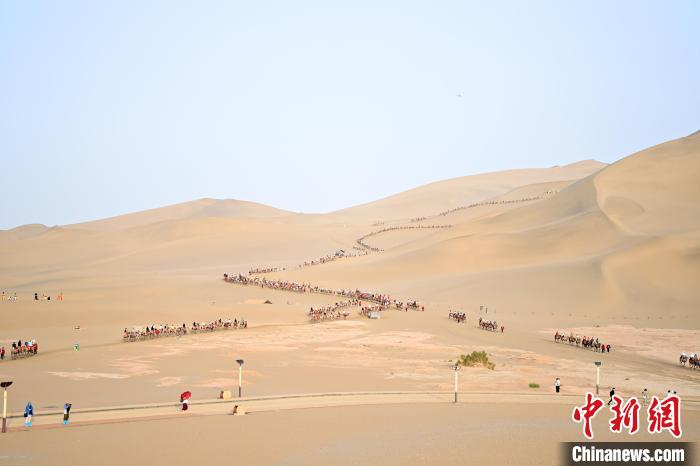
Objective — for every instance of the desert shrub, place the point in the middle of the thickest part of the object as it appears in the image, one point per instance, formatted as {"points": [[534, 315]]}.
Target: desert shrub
{"points": [[533, 385], [476, 359]]}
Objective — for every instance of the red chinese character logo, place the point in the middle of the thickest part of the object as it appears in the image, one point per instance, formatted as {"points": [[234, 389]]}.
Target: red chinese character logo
{"points": [[625, 416], [665, 415], [587, 412]]}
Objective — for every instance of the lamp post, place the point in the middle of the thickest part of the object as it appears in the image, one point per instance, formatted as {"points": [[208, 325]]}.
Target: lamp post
{"points": [[240, 376], [456, 368], [4, 385], [597, 376]]}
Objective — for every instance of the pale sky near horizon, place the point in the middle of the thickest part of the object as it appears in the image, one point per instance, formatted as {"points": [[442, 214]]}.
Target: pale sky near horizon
{"points": [[117, 106]]}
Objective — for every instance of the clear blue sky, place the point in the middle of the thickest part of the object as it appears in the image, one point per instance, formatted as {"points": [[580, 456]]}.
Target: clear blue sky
{"points": [[110, 107]]}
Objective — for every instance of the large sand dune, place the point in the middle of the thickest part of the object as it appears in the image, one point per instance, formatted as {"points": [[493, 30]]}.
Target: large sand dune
{"points": [[629, 231]]}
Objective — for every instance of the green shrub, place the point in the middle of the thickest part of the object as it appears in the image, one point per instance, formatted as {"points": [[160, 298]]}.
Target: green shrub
{"points": [[534, 385], [477, 358]]}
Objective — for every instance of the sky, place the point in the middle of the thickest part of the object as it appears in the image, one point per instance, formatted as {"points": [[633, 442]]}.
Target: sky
{"points": [[116, 106]]}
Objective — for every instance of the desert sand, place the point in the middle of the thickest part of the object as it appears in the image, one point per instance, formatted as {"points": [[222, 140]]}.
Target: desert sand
{"points": [[609, 251]]}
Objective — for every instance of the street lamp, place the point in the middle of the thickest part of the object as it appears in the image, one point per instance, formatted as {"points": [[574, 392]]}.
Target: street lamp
{"points": [[597, 377], [456, 368], [240, 376], [4, 385]]}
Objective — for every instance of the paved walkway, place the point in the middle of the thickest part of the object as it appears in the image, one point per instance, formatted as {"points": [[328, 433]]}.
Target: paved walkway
{"points": [[103, 415]]}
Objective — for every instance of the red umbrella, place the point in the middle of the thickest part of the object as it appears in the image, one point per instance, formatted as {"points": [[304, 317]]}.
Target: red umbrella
{"points": [[186, 395]]}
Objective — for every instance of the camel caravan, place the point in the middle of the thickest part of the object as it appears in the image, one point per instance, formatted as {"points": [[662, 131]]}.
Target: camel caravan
{"points": [[339, 254], [459, 317], [21, 349], [170, 330], [371, 311], [693, 361], [361, 241], [262, 270], [490, 325], [285, 285], [582, 342], [544, 195], [332, 311]]}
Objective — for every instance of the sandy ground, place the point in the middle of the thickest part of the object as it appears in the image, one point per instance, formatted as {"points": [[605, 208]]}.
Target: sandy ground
{"points": [[610, 252], [428, 434]]}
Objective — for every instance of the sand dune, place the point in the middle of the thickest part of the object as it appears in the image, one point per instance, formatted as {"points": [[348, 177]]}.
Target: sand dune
{"points": [[207, 236], [635, 222]]}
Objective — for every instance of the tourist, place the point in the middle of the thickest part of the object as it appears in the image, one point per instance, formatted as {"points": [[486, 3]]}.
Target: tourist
{"points": [[557, 385], [28, 413], [66, 413], [612, 394], [2, 353], [644, 397], [184, 402]]}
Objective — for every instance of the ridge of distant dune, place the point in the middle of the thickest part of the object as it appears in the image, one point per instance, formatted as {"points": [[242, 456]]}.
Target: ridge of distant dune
{"points": [[443, 195], [23, 231], [224, 208]]}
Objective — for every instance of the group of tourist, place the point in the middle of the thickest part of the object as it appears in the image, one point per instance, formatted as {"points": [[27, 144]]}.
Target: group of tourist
{"points": [[459, 317], [266, 283], [265, 270], [198, 327], [408, 305], [361, 241], [339, 254], [8, 297], [20, 349], [544, 195], [44, 297], [333, 257], [368, 310], [693, 361], [167, 330], [29, 413], [332, 311], [490, 325], [582, 342], [286, 285]]}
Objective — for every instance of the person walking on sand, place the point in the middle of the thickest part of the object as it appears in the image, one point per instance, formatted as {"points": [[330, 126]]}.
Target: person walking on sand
{"points": [[644, 398], [28, 413], [612, 394], [557, 384], [66, 413]]}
